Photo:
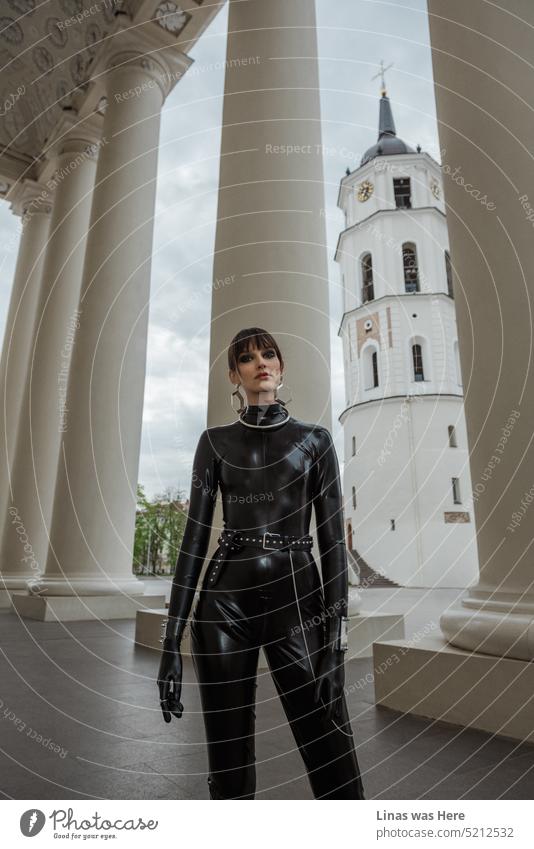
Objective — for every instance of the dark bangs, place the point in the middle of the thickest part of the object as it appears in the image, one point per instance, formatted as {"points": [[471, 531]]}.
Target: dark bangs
{"points": [[250, 337]]}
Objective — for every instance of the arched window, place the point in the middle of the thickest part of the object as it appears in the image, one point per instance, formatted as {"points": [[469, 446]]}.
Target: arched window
{"points": [[353, 446], [417, 356], [368, 291], [402, 192], [370, 367], [411, 271], [354, 497], [452, 437], [349, 536], [448, 272], [457, 363], [375, 368]]}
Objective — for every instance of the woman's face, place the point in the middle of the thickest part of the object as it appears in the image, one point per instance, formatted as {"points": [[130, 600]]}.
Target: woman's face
{"points": [[258, 371]]}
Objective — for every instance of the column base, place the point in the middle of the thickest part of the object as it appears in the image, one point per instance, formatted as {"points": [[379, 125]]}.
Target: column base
{"points": [[17, 581], [78, 608], [438, 681], [13, 584], [84, 585], [364, 628], [496, 625]]}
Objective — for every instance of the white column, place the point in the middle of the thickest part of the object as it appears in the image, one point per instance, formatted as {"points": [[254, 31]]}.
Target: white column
{"points": [[92, 532], [270, 263], [35, 458], [30, 201], [269, 266], [484, 51]]}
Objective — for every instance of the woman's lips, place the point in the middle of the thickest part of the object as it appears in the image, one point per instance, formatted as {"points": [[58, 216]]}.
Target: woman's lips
{"points": [[264, 374]]}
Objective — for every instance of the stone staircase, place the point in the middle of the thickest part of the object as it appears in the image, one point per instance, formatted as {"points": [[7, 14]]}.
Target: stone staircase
{"points": [[369, 578]]}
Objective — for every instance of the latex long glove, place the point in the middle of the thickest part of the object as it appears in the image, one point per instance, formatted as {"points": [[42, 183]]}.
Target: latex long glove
{"points": [[328, 505], [330, 678], [204, 483], [330, 681], [170, 679]]}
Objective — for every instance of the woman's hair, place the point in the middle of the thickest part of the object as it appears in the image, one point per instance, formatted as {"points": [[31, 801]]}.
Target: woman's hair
{"points": [[248, 338]]}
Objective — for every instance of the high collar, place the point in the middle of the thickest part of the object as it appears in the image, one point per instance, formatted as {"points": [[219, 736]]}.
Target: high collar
{"points": [[264, 414]]}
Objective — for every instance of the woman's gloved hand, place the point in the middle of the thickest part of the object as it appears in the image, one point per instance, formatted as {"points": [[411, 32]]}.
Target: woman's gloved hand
{"points": [[330, 680], [170, 679]]}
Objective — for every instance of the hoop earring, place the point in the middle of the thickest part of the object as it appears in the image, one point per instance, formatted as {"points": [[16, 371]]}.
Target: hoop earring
{"points": [[242, 404], [276, 398]]}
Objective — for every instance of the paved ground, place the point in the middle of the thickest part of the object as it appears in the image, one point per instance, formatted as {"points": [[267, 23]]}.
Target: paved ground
{"points": [[88, 691]]}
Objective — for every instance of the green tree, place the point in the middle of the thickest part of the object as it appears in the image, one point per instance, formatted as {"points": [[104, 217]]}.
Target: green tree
{"points": [[159, 531]]}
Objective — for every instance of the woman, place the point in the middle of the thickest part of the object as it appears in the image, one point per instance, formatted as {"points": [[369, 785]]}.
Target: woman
{"points": [[262, 586]]}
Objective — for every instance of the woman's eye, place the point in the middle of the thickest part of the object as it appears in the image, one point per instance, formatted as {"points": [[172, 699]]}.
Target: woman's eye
{"points": [[246, 357]]}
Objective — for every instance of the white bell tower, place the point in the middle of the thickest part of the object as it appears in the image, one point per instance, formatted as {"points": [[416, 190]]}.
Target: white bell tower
{"points": [[408, 493]]}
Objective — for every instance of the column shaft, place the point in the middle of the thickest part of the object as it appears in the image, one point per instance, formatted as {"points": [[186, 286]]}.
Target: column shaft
{"points": [[270, 265], [34, 465], [484, 91], [95, 501], [17, 341]]}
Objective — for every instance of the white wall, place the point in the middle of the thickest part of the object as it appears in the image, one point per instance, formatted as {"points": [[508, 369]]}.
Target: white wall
{"points": [[402, 470]]}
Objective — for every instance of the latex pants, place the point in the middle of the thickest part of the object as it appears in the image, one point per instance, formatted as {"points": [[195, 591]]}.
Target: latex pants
{"points": [[254, 604]]}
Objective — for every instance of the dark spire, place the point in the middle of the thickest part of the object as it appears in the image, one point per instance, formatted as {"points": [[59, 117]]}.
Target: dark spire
{"points": [[387, 143], [386, 124]]}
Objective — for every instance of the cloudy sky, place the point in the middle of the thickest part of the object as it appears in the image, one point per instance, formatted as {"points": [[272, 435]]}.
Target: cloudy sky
{"points": [[354, 35]]}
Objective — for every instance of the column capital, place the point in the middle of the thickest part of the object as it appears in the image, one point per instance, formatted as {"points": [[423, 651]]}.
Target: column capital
{"points": [[29, 195], [72, 139], [142, 49], [73, 134]]}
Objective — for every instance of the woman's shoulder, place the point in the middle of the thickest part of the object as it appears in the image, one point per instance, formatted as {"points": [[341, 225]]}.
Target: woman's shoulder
{"points": [[312, 427], [221, 430], [214, 433], [218, 435], [313, 433]]}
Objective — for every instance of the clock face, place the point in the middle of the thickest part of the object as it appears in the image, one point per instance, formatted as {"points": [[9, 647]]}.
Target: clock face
{"points": [[365, 190], [435, 189]]}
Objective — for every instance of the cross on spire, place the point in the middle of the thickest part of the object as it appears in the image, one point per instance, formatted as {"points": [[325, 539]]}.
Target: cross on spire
{"points": [[381, 73]]}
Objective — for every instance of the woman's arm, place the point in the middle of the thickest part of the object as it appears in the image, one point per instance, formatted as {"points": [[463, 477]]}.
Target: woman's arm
{"points": [[204, 484], [328, 505]]}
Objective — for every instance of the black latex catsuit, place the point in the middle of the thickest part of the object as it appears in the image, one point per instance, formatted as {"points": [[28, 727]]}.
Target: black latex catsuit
{"points": [[269, 478]]}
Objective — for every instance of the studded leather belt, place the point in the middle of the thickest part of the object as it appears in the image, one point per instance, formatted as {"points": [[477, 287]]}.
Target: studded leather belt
{"points": [[231, 539]]}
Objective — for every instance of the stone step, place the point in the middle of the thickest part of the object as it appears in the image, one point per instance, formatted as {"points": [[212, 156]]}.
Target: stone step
{"points": [[80, 608], [369, 577]]}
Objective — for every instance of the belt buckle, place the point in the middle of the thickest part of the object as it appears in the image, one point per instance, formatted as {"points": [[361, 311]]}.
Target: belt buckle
{"points": [[269, 547]]}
